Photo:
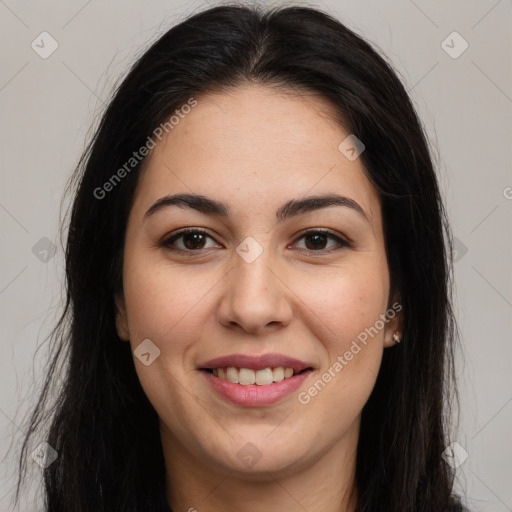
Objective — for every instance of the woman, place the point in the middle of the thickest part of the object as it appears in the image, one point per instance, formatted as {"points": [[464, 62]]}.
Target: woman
{"points": [[258, 218]]}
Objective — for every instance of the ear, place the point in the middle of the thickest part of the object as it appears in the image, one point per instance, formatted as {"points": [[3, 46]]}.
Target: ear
{"points": [[121, 318], [395, 321]]}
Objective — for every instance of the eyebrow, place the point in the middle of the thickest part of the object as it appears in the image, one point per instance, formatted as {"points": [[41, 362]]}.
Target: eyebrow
{"points": [[291, 208]]}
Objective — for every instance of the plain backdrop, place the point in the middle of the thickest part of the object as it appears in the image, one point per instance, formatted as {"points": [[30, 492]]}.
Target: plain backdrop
{"points": [[463, 95]]}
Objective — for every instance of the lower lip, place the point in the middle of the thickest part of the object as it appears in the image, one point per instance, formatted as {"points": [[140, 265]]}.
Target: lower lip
{"points": [[253, 395]]}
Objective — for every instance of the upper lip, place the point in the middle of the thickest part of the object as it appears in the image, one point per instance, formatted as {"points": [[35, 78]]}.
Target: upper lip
{"points": [[256, 362]]}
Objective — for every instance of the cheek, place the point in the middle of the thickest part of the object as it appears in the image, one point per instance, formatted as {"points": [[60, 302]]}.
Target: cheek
{"points": [[345, 301], [343, 310], [167, 304]]}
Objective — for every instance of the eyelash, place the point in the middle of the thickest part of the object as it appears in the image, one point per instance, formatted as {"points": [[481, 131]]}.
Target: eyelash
{"points": [[168, 242]]}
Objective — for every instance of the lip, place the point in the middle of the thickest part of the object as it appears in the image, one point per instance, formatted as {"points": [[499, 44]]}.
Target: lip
{"points": [[256, 362], [253, 395]]}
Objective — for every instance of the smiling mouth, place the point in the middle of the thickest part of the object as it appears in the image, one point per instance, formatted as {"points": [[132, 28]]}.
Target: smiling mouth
{"points": [[261, 377]]}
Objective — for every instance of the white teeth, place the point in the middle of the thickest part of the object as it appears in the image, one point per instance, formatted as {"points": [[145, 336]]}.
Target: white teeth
{"points": [[232, 375], [247, 376], [264, 377], [278, 374]]}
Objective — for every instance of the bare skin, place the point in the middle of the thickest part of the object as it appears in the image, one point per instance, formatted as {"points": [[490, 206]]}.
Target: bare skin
{"points": [[305, 296]]}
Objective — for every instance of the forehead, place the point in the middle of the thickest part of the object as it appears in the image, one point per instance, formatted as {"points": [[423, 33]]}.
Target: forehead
{"points": [[256, 146]]}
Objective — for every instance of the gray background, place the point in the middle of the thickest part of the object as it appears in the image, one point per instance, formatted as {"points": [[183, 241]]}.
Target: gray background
{"points": [[49, 105]]}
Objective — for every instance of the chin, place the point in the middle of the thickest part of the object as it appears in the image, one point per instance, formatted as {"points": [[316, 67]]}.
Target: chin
{"points": [[254, 460]]}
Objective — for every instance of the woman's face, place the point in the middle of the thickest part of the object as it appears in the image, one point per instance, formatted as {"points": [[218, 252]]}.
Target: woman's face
{"points": [[258, 283]]}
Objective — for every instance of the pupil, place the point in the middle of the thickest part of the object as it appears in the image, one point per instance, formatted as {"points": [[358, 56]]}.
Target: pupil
{"points": [[318, 238], [193, 238]]}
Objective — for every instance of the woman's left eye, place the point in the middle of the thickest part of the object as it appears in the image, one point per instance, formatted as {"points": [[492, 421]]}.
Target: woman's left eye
{"points": [[317, 240], [194, 240]]}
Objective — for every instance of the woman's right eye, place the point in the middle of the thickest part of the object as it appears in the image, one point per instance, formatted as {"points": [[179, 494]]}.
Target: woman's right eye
{"points": [[188, 240]]}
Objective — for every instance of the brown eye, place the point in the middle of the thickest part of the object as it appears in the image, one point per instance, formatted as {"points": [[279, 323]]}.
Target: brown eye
{"points": [[194, 240], [316, 240], [188, 240]]}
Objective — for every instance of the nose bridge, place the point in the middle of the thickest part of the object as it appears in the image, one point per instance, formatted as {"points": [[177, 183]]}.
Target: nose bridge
{"points": [[254, 296], [253, 277]]}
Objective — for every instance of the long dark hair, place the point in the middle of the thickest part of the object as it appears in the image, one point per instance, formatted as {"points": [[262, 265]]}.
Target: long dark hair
{"points": [[101, 424]]}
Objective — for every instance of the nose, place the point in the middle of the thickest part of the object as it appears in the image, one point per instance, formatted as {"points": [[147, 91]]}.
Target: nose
{"points": [[256, 298]]}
